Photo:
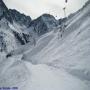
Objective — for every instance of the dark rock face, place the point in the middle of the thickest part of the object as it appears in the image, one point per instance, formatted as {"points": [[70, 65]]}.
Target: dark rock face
{"points": [[22, 38], [62, 20], [4, 12], [3, 8], [86, 4], [13, 15], [8, 36], [40, 26], [19, 37], [20, 18], [43, 24], [2, 43], [26, 37]]}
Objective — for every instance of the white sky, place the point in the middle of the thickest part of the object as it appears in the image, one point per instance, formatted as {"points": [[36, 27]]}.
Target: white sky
{"points": [[35, 8]]}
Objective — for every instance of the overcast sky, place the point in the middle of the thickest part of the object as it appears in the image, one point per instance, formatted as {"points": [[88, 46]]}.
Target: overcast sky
{"points": [[35, 8]]}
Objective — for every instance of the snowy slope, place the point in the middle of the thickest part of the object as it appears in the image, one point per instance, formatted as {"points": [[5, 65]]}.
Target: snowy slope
{"points": [[25, 76], [12, 36], [22, 28], [71, 52], [13, 27], [75, 34], [7, 39], [55, 62]]}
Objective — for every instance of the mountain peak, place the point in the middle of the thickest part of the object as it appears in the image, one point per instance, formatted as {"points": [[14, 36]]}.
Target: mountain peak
{"points": [[19, 17], [43, 23], [3, 8], [47, 15], [4, 12]]}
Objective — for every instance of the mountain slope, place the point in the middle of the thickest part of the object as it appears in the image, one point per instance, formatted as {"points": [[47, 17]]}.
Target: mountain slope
{"points": [[60, 60], [43, 24], [7, 39], [71, 51], [12, 24], [23, 28], [4, 11], [20, 18]]}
